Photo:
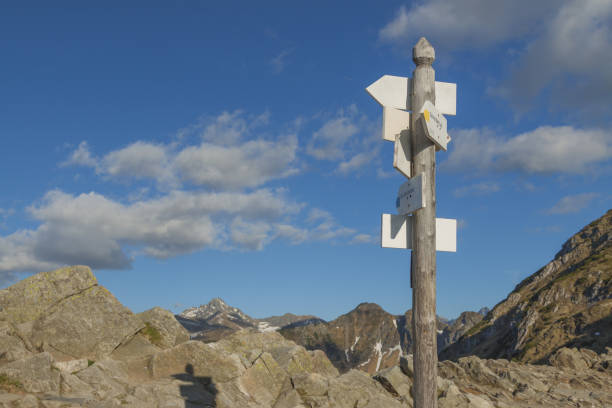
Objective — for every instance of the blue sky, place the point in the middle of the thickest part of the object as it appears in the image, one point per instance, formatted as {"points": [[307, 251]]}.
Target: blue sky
{"points": [[190, 150]]}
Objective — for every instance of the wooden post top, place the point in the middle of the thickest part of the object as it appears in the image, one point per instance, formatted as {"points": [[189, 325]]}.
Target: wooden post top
{"points": [[423, 53]]}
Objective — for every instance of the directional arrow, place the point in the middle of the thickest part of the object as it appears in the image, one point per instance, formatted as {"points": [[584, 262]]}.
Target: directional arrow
{"points": [[434, 125], [393, 91], [396, 232]]}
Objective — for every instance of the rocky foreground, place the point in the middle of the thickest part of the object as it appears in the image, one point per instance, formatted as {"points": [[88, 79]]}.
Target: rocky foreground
{"points": [[65, 341]]}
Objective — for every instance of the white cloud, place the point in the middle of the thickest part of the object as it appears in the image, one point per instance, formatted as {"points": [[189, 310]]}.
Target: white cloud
{"points": [[279, 62], [364, 239], [573, 55], [293, 234], [561, 45], [249, 165], [16, 255], [355, 162], [348, 138], [462, 24], [316, 214], [250, 235], [232, 152], [547, 149], [94, 230], [572, 203], [81, 157], [139, 160], [228, 128], [485, 187], [382, 174], [328, 142], [225, 158]]}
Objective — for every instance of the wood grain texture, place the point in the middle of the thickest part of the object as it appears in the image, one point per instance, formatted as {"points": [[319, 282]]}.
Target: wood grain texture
{"points": [[424, 236]]}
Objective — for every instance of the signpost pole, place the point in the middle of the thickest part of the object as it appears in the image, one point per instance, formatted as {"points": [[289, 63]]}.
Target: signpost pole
{"points": [[424, 236]]}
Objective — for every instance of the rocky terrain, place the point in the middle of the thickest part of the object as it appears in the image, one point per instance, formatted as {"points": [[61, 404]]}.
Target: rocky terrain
{"points": [[567, 303], [457, 328], [367, 338], [67, 342]]}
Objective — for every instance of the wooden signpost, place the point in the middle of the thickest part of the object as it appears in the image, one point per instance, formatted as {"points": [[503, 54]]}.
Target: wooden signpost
{"points": [[417, 136]]}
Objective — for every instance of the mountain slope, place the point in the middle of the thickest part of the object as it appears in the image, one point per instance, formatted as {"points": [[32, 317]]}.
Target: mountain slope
{"points": [[567, 303], [367, 338]]}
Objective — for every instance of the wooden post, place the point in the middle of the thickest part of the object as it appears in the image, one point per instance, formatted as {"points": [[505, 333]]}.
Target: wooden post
{"points": [[425, 355]]}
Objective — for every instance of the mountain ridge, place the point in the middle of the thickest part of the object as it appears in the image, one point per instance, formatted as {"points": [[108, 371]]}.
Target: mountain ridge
{"points": [[566, 303]]}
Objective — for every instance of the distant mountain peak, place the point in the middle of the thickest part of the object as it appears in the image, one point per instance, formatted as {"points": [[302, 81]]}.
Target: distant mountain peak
{"points": [[367, 307], [484, 310]]}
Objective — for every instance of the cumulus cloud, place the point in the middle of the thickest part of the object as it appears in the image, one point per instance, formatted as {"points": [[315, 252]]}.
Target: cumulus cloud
{"points": [[572, 203], [81, 156], [250, 235], [573, 57], [485, 187], [355, 162], [138, 160], [348, 138], [327, 143], [547, 149], [94, 230], [563, 46], [465, 23], [208, 195], [228, 156], [294, 234], [249, 165]]}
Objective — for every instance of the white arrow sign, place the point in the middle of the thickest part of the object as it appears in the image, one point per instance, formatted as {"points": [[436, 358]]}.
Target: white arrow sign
{"points": [[396, 232], [402, 153], [394, 92], [394, 122], [410, 196], [434, 125]]}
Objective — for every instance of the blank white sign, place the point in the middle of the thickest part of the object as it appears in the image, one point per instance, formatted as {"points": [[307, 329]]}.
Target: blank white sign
{"points": [[396, 232], [394, 122], [402, 154]]}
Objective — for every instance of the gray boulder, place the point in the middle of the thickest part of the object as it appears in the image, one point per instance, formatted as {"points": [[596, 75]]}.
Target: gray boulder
{"points": [[28, 299], [88, 325], [197, 359], [162, 328], [12, 347], [34, 374]]}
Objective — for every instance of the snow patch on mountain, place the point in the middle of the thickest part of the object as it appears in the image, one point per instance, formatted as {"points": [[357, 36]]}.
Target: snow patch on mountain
{"points": [[265, 327]]}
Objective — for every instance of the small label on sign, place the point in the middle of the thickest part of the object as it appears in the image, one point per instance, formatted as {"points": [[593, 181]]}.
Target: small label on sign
{"points": [[410, 196]]}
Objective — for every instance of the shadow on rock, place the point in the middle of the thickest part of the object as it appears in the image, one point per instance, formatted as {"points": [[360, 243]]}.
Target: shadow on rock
{"points": [[197, 391]]}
